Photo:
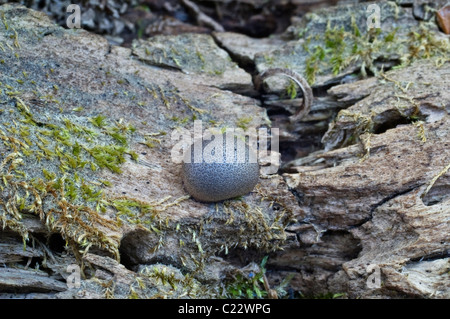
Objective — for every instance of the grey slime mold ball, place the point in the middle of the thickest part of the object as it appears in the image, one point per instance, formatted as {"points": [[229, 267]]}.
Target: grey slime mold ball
{"points": [[213, 178]]}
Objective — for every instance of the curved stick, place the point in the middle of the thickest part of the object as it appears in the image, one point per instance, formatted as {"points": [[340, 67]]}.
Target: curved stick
{"points": [[299, 80]]}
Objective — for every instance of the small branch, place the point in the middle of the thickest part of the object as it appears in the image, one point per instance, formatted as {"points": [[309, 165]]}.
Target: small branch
{"points": [[202, 18], [442, 172], [300, 81], [272, 294]]}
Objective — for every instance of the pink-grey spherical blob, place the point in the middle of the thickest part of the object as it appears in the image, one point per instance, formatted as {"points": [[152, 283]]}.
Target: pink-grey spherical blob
{"points": [[215, 176]]}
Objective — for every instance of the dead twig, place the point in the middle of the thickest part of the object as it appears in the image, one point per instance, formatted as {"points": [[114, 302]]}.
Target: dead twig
{"points": [[202, 18], [300, 81]]}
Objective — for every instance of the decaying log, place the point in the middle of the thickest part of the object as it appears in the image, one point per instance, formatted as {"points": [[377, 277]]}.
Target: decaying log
{"points": [[86, 156]]}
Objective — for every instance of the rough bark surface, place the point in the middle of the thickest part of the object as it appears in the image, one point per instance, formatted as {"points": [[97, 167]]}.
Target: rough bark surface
{"points": [[371, 198]]}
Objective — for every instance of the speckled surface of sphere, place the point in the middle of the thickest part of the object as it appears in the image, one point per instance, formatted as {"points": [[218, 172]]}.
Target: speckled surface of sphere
{"points": [[213, 178]]}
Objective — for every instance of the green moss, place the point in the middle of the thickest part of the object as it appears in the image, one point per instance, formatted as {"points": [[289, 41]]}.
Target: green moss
{"points": [[291, 90], [98, 121], [48, 170], [170, 283], [253, 285], [338, 49], [243, 122], [248, 285]]}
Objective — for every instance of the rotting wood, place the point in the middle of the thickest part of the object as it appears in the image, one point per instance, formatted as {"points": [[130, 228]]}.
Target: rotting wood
{"points": [[323, 223]]}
